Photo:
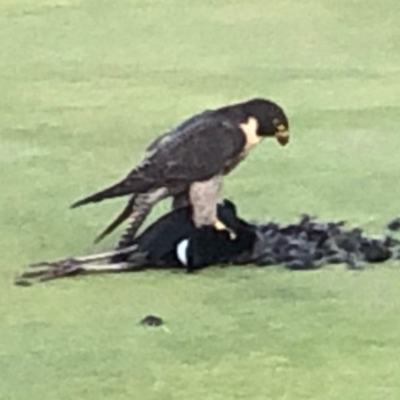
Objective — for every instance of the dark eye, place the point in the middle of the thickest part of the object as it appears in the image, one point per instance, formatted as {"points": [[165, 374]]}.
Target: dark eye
{"points": [[276, 121]]}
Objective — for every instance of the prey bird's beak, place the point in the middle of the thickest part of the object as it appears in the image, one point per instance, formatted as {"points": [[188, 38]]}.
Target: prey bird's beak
{"points": [[282, 135]]}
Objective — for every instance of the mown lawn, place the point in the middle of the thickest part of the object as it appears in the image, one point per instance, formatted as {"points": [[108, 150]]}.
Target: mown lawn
{"points": [[85, 85]]}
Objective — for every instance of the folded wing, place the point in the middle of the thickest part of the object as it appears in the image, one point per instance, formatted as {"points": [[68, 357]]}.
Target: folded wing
{"points": [[193, 152]]}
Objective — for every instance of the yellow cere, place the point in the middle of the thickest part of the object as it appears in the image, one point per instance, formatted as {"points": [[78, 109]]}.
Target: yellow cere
{"points": [[281, 128]]}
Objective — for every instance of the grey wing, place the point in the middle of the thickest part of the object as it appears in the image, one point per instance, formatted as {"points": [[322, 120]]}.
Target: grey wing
{"points": [[177, 131], [197, 153]]}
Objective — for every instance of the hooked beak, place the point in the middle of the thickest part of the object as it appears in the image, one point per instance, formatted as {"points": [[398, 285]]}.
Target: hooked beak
{"points": [[282, 135]]}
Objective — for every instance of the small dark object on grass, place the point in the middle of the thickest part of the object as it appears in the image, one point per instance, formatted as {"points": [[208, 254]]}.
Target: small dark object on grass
{"points": [[152, 320]]}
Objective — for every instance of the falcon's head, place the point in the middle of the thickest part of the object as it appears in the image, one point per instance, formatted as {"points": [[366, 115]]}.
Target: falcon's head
{"points": [[272, 120]]}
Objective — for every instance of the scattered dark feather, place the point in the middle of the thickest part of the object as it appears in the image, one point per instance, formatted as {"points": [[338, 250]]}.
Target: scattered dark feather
{"points": [[152, 320]]}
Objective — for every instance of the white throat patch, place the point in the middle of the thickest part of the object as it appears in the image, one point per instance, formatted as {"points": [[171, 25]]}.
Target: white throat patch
{"points": [[249, 129]]}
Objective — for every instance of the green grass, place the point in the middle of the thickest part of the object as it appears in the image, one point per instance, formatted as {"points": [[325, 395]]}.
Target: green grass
{"points": [[85, 85]]}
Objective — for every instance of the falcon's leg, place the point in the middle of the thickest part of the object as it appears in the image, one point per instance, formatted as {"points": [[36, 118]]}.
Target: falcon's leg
{"points": [[204, 199], [143, 204]]}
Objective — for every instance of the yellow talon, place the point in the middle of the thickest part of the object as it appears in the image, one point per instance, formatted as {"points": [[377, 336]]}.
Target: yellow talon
{"points": [[220, 226]]}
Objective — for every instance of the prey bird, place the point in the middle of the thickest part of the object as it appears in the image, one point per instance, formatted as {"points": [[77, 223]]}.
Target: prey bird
{"points": [[188, 163]]}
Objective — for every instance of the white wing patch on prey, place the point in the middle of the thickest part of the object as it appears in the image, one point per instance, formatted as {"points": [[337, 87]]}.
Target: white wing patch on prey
{"points": [[181, 251]]}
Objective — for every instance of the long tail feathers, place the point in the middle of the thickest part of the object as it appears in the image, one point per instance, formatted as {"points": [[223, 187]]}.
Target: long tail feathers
{"points": [[123, 216], [120, 189], [129, 185]]}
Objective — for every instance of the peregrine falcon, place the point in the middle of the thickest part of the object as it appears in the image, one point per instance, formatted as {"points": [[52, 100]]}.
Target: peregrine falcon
{"points": [[188, 163]]}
